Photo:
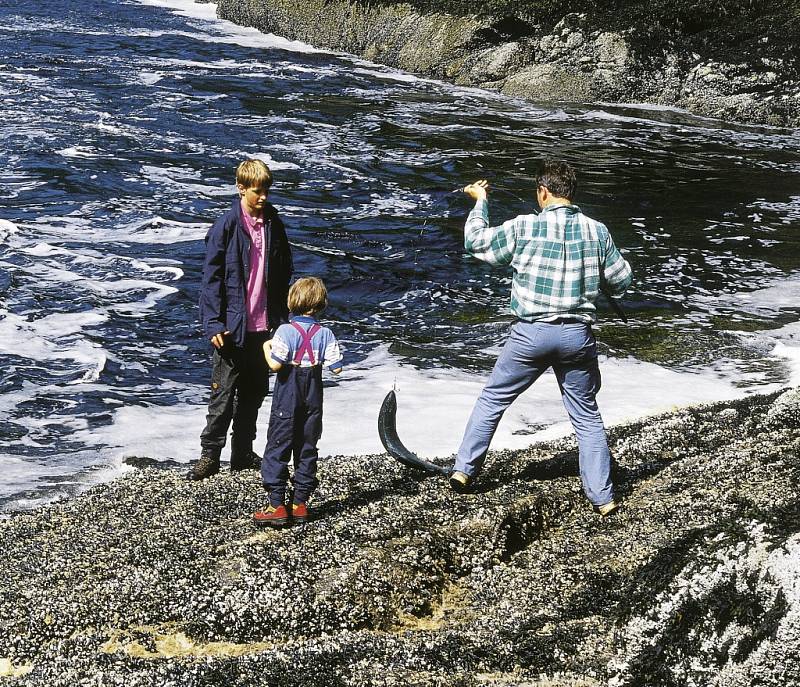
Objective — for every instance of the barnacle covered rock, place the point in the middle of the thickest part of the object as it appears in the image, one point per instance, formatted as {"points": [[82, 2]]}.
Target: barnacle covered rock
{"points": [[153, 580]]}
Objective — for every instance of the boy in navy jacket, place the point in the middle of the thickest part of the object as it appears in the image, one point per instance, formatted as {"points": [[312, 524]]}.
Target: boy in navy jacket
{"points": [[297, 352], [246, 273]]}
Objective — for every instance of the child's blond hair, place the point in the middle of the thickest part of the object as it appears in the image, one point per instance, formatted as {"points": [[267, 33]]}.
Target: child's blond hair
{"points": [[253, 174], [308, 296]]}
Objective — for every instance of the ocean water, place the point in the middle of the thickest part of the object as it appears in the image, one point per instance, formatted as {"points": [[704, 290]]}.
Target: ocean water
{"points": [[123, 124]]}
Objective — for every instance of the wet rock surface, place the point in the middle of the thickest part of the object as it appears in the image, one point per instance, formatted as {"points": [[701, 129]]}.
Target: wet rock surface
{"points": [[748, 76], [152, 580]]}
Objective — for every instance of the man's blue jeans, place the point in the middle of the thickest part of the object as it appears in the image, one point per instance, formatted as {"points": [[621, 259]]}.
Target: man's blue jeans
{"points": [[532, 347]]}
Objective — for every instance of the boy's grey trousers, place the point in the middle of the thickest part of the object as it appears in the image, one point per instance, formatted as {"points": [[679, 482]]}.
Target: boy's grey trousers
{"points": [[568, 347], [239, 383]]}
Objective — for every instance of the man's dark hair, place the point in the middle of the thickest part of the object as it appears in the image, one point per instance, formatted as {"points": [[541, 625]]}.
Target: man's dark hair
{"points": [[558, 177]]}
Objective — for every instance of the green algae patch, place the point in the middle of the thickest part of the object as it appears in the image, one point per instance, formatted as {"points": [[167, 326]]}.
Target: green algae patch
{"points": [[658, 345], [676, 346], [736, 322], [8, 669], [455, 601], [152, 644]]}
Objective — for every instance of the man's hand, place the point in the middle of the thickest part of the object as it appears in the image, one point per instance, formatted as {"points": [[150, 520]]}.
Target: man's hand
{"points": [[478, 190], [218, 340]]}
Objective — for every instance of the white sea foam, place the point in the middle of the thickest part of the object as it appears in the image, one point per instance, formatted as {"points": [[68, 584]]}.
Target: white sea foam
{"points": [[58, 275], [79, 152], [187, 8], [102, 124], [40, 339], [56, 325], [790, 352], [149, 78], [779, 297], [176, 272], [141, 306], [316, 70], [782, 295], [55, 337], [44, 482], [175, 177], [20, 473], [271, 162], [434, 406], [224, 64], [372, 70], [237, 35], [603, 115], [26, 391], [27, 78], [789, 210], [97, 259], [7, 229], [253, 68], [157, 230], [148, 230]]}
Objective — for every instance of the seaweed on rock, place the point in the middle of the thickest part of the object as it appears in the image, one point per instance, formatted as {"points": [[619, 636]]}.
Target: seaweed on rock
{"points": [[731, 59]]}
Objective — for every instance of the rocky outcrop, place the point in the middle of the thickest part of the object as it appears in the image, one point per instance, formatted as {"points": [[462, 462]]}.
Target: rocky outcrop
{"points": [[572, 61], [152, 580]]}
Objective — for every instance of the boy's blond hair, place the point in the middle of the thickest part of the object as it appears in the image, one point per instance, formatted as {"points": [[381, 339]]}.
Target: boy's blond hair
{"points": [[308, 295], [253, 174]]}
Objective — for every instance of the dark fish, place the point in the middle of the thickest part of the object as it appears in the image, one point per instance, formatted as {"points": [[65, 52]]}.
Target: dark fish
{"points": [[387, 430]]}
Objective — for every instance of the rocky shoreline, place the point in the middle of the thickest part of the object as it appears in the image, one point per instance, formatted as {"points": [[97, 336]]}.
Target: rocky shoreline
{"points": [[744, 76], [151, 580]]}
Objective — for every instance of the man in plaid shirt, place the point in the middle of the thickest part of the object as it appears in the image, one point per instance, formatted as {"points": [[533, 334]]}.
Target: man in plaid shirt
{"points": [[559, 257]]}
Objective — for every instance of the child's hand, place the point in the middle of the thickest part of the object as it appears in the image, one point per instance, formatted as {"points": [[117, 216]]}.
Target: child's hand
{"points": [[268, 349], [218, 340]]}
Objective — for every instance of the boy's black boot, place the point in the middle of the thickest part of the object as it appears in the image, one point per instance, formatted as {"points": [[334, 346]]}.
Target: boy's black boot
{"points": [[243, 457], [207, 466]]}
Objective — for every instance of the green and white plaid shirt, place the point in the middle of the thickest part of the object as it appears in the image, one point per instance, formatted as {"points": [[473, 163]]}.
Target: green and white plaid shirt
{"points": [[558, 258]]}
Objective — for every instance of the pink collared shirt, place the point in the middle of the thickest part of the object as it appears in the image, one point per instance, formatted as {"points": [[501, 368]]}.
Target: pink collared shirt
{"points": [[256, 294]]}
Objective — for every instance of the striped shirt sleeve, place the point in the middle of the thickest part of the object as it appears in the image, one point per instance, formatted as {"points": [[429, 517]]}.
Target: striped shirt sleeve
{"points": [[281, 350], [617, 272], [332, 356], [494, 245]]}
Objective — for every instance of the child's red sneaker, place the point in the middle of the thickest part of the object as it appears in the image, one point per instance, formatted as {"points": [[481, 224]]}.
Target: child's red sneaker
{"points": [[299, 512], [272, 517]]}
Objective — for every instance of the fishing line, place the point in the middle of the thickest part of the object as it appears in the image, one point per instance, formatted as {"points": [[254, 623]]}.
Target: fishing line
{"points": [[459, 191]]}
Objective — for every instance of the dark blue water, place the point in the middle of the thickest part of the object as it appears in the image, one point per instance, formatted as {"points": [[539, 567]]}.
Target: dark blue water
{"points": [[123, 124]]}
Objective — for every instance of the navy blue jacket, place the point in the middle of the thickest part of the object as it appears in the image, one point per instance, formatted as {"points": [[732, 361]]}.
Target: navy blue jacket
{"points": [[226, 269]]}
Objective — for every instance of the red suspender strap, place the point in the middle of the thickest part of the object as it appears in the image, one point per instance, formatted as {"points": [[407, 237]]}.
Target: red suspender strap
{"points": [[305, 343]]}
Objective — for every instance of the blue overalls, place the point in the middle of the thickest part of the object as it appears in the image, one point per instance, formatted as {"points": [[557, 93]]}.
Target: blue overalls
{"points": [[295, 425]]}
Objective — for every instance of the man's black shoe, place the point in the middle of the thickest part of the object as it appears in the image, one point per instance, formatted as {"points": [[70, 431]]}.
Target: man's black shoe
{"points": [[460, 482], [207, 466], [251, 461], [607, 508]]}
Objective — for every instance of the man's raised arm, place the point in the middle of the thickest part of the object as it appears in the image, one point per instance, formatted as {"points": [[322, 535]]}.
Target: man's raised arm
{"points": [[494, 245]]}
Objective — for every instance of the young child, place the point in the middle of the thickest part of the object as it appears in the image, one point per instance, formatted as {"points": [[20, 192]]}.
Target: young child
{"points": [[297, 353], [246, 273]]}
